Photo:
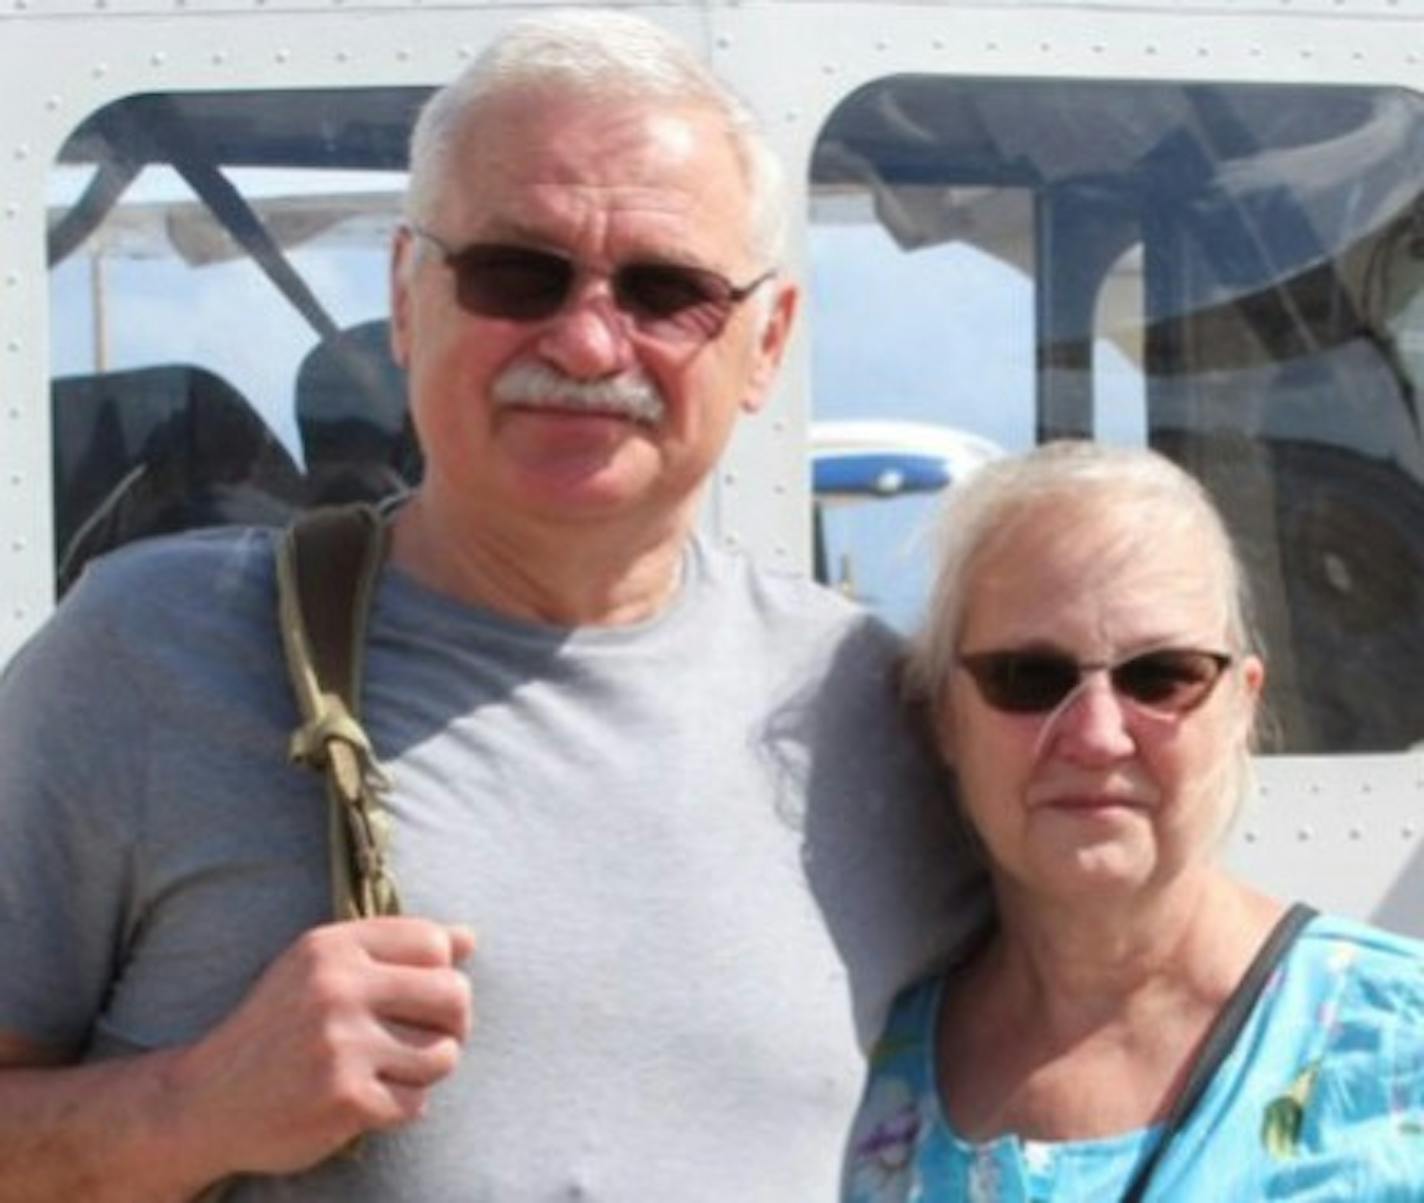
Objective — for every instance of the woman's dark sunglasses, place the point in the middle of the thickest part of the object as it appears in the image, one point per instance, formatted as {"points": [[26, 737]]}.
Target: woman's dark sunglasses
{"points": [[672, 301], [1167, 681]]}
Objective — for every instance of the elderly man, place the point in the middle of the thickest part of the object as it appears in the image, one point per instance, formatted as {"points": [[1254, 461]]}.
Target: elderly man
{"points": [[670, 793]]}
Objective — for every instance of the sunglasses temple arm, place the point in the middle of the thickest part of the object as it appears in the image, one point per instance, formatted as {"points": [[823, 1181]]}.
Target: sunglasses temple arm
{"points": [[1046, 727]]}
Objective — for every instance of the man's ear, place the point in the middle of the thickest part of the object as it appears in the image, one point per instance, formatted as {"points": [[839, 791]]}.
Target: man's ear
{"points": [[771, 346], [402, 273]]}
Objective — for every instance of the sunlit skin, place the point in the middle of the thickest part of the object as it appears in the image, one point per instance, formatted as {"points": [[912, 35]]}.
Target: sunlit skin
{"points": [[1101, 799], [1119, 934], [604, 183]]}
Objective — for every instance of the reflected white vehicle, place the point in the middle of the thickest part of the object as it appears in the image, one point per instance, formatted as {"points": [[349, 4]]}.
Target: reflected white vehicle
{"points": [[879, 458], [857, 465]]}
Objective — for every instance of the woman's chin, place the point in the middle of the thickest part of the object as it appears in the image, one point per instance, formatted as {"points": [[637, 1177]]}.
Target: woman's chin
{"points": [[1097, 872]]}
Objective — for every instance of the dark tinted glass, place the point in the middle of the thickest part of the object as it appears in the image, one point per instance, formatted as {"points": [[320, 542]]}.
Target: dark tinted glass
{"points": [[1171, 680]]}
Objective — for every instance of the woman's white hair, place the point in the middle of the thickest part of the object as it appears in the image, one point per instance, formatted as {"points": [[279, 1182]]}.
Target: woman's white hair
{"points": [[988, 506], [603, 54]]}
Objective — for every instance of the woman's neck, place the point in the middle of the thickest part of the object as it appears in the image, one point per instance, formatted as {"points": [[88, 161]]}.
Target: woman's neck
{"points": [[1077, 1021], [1071, 959]]}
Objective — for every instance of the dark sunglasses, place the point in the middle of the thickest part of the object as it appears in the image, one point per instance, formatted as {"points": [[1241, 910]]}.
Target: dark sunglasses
{"points": [[672, 301], [1167, 681]]}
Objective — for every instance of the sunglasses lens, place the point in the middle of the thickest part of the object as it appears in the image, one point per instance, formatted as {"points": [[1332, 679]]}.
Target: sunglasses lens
{"points": [[511, 282], [524, 284], [675, 299], [1170, 680], [1023, 682]]}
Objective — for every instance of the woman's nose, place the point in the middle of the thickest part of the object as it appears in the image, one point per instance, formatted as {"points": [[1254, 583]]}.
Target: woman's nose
{"points": [[1092, 725]]}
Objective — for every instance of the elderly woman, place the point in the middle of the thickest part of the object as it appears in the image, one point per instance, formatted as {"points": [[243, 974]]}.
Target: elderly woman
{"points": [[1139, 1025]]}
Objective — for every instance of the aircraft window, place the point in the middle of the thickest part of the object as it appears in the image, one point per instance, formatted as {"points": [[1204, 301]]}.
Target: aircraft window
{"points": [[218, 281], [1232, 274], [915, 368]]}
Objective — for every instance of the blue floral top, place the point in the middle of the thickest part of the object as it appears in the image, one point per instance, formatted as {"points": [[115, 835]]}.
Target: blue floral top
{"points": [[1322, 1099]]}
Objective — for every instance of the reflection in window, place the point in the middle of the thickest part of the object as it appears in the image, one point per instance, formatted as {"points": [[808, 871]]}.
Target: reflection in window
{"points": [[1231, 274], [1119, 385], [218, 281], [898, 333]]}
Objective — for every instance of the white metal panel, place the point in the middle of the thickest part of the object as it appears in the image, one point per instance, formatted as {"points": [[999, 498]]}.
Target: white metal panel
{"points": [[795, 62], [1347, 832]]}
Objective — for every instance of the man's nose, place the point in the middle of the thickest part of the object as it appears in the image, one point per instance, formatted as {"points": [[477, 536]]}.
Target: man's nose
{"points": [[590, 337], [1093, 724]]}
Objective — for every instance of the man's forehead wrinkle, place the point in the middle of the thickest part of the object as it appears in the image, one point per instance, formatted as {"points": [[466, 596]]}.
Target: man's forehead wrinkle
{"points": [[561, 219], [616, 197], [570, 219], [622, 147], [608, 181], [633, 137]]}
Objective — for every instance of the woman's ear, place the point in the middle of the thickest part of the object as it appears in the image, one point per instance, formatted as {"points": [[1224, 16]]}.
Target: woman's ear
{"points": [[1253, 681], [1253, 676], [944, 734]]}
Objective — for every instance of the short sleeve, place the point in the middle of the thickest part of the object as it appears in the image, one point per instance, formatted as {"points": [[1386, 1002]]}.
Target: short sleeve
{"points": [[72, 740]]}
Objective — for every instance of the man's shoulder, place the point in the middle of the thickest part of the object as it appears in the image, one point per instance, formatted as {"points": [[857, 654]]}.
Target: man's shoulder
{"points": [[732, 566], [189, 564], [788, 603], [178, 590], [830, 660]]}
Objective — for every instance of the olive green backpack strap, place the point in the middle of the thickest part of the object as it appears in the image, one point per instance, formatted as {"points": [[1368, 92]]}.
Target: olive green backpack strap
{"points": [[327, 567], [327, 564]]}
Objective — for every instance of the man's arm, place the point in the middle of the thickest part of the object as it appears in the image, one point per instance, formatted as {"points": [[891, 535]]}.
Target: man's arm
{"points": [[344, 1033], [105, 1132]]}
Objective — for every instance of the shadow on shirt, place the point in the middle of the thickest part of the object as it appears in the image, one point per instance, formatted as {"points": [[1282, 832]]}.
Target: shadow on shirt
{"points": [[898, 882]]}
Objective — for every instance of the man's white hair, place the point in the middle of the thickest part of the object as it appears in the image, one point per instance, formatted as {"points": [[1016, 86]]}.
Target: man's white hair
{"points": [[602, 54]]}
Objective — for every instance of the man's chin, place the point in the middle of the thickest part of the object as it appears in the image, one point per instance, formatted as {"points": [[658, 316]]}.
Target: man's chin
{"points": [[584, 475]]}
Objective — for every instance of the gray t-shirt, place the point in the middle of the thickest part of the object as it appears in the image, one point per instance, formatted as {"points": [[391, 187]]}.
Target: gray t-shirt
{"points": [[699, 852]]}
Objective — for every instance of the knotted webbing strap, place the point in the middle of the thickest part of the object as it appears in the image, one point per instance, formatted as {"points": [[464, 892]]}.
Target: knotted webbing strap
{"points": [[327, 564], [326, 574]]}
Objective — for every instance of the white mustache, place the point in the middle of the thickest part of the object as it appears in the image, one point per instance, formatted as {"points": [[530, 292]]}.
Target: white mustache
{"points": [[530, 383]]}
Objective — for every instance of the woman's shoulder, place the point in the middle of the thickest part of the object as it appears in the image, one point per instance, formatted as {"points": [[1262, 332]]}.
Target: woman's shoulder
{"points": [[1345, 974], [1340, 1066], [899, 1108], [1336, 944], [907, 1039]]}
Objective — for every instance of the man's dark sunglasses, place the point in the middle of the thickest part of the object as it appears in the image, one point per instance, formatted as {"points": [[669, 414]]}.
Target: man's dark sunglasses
{"points": [[672, 301], [1167, 681]]}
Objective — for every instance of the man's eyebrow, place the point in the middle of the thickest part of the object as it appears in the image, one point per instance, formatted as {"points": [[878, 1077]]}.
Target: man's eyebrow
{"points": [[503, 229], [1035, 645], [511, 229]]}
